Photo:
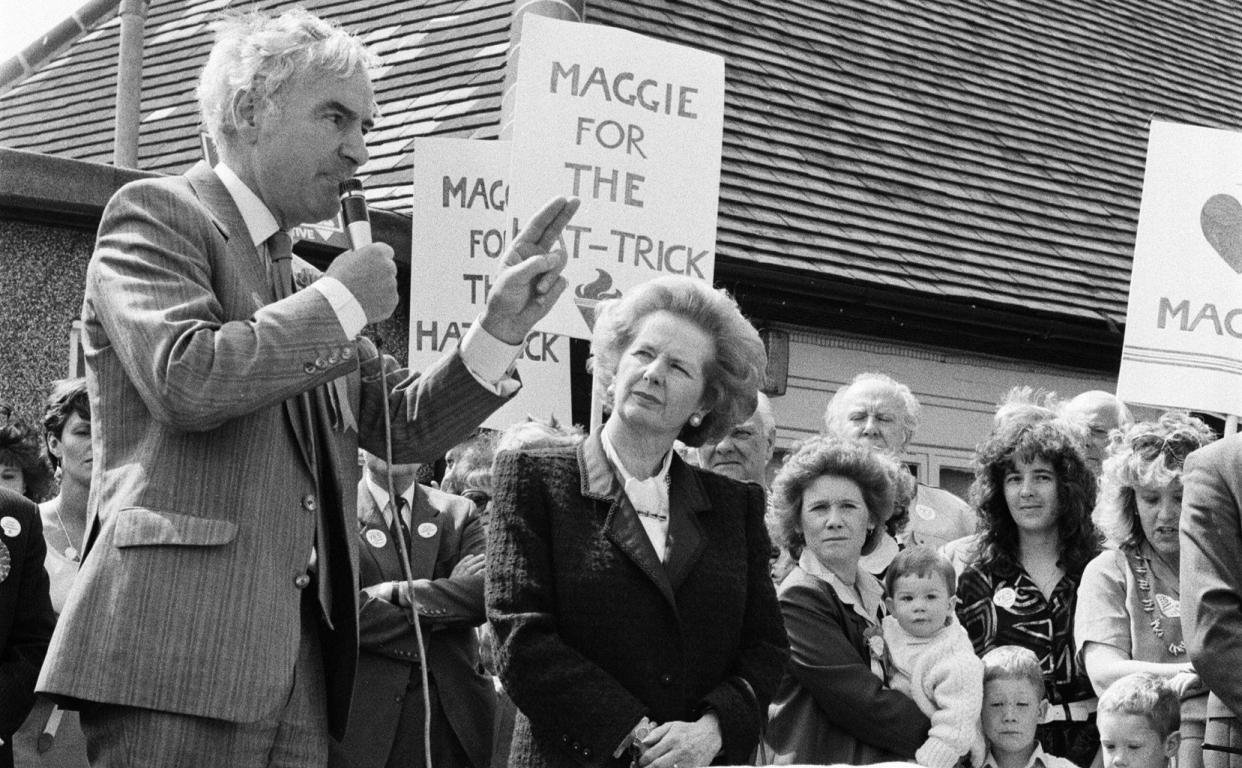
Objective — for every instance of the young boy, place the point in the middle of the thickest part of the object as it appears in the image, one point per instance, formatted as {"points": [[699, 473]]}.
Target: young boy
{"points": [[1138, 717], [931, 658], [1013, 707]]}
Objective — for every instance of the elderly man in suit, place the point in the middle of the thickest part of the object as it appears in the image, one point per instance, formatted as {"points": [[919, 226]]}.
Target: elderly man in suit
{"points": [[745, 452], [1211, 590], [445, 543], [214, 620], [26, 616], [880, 411]]}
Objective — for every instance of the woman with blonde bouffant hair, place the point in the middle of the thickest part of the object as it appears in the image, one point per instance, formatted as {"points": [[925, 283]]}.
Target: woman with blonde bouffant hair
{"points": [[635, 619], [1128, 617]]}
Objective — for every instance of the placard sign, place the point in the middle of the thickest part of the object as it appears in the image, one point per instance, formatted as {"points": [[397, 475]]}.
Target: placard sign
{"points": [[459, 205], [633, 126], [1183, 342]]}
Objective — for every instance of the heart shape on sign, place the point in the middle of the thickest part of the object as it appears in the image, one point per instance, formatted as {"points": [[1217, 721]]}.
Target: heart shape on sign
{"points": [[1221, 220]]}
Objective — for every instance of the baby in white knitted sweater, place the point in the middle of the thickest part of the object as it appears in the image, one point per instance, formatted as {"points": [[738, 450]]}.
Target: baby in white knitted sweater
{"points": [[930, 657]]}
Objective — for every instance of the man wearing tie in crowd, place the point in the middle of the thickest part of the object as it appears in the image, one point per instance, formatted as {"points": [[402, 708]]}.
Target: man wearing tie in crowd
{"points": [[214, 620], [445, 542]]}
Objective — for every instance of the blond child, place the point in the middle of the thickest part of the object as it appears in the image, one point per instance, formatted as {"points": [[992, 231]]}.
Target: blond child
{"points": [[1014, 704], [1138, 717], [930, 656]]}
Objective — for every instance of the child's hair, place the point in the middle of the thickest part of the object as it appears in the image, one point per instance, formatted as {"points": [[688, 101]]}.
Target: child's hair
{"points": [[1144, 694], [921, 561], [1013, 662]]}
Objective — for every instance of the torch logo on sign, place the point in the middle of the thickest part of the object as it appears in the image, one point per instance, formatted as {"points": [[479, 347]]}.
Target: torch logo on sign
{"points": [[588, 296]]}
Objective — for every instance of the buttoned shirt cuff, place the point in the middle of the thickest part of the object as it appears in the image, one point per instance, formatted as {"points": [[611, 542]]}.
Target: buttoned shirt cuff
{"points": [[490, 360], [348, 311]]}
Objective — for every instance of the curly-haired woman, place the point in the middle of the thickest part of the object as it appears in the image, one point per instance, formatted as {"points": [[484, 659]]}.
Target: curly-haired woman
{"points": [[1034, 493]]}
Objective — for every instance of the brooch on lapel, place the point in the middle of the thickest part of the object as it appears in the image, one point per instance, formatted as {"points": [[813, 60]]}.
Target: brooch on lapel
{"points": [[874, 637]]}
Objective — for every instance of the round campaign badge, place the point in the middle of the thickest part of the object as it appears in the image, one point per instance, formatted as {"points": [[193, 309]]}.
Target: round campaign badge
{"points": [[1005, 597], [10, 526], [427, 530], [376, 538], [925, 512]]}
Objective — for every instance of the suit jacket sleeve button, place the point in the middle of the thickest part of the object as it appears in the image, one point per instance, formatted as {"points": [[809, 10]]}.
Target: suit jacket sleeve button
{"points": [[302, 581], [310, 368], [347, 352]]}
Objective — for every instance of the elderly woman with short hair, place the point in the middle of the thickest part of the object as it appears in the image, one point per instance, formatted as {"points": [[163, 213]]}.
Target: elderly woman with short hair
{"points": [[629, 592], [1128, 619], [831, 500]]}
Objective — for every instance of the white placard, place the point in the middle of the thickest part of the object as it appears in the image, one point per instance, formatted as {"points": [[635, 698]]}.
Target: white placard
{"points": [[633, 126], [459, 213], [1183, 343]]}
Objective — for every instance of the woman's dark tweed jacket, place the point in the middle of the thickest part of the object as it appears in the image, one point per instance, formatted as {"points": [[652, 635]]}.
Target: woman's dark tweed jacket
{"points": [[593, 632]]}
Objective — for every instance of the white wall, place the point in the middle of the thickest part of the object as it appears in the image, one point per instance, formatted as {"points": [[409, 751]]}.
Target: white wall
{"points": [[959, 393]]}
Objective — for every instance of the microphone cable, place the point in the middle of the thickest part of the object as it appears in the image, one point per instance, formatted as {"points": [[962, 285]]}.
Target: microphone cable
{"points": [[358, 228]]}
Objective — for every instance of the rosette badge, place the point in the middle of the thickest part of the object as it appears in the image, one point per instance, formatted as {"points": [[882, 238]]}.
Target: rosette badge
{"points": [[588, 296]]}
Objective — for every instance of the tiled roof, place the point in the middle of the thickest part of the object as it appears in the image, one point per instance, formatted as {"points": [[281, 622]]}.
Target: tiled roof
{"points": [[978, 151]]}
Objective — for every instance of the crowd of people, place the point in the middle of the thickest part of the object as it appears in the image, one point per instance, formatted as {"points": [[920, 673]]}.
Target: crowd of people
{"points": [[224, 547]]}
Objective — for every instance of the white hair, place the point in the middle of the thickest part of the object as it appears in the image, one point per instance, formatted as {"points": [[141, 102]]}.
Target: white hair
{"points": [[259, 54]]}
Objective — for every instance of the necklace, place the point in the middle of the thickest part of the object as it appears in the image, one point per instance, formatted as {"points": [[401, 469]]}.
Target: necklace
{"points": [[71, 551], [1150, 606]]}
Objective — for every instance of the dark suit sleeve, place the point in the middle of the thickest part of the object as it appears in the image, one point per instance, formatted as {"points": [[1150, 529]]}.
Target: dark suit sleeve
{"points": [[385, 628], [25, 594], [1211, 570], [555, 686], [827, 664], [741, 701]]}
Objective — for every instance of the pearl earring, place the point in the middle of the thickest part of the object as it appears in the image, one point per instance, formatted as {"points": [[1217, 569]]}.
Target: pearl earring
{"points": [[695, 419]]}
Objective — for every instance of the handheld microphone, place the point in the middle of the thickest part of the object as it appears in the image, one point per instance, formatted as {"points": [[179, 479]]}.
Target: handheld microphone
{"points": [[354, 213]]}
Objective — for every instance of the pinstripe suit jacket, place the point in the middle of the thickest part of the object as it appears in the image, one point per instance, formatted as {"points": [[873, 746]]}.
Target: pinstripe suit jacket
{"points": [[207, 495]]}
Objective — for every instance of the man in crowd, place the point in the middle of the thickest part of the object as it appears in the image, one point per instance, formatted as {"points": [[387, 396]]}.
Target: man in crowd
{"points": [[214, 619], [1098, 412], [444, 540], [745, 452], [882, 412]]}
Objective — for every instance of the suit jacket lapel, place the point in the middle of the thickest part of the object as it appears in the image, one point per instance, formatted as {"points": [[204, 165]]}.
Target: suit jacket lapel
{"points": [[245, 257], [622, 526], [686, 501]]}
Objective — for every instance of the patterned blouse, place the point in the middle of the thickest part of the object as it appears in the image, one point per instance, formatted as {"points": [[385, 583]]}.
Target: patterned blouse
{"points": [[1006, 608]]}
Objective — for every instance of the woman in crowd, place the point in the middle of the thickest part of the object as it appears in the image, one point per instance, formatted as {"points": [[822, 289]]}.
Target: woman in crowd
{"points": [[1128, 618], [1034, 493], [831, 500], [51, 736], [629, 592], [23, 468]]}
